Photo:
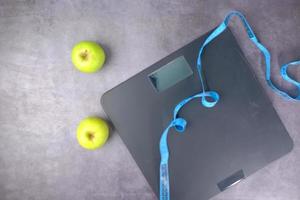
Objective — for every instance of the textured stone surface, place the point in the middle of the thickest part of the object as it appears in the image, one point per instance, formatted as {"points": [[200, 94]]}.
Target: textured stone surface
{"points": [[42, 97]]}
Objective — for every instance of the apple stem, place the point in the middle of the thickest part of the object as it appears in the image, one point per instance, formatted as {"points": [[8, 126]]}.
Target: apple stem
{"points": [[84, 55], [90, 135]]}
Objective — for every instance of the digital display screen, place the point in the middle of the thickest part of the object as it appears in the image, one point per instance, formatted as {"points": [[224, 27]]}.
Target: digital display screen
{"points": [[170, 74]]}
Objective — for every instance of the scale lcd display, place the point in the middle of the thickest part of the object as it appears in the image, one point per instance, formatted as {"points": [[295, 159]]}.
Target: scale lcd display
{"points": [[170, 74]]}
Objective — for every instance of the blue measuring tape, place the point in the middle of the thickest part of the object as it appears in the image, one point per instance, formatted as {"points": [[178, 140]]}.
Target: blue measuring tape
{"points": [[179, 123]]}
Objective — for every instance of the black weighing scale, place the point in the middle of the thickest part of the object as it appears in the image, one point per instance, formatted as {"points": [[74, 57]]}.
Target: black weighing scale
{"points": [[221, 145]]}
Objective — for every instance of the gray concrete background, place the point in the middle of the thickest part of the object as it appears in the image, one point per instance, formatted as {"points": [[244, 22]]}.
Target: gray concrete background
{"points": [[42, 97]]}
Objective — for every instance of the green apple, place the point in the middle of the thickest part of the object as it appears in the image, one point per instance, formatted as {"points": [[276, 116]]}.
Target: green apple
{"points": [[88, 56], [92, 132]]}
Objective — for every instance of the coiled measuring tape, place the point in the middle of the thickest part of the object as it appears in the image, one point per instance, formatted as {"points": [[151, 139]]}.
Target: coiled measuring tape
{"points": [[180, 123]]}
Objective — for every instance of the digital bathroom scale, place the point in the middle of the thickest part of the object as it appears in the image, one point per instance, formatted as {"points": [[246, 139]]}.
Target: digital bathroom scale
{"points": [[221, 145]]}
